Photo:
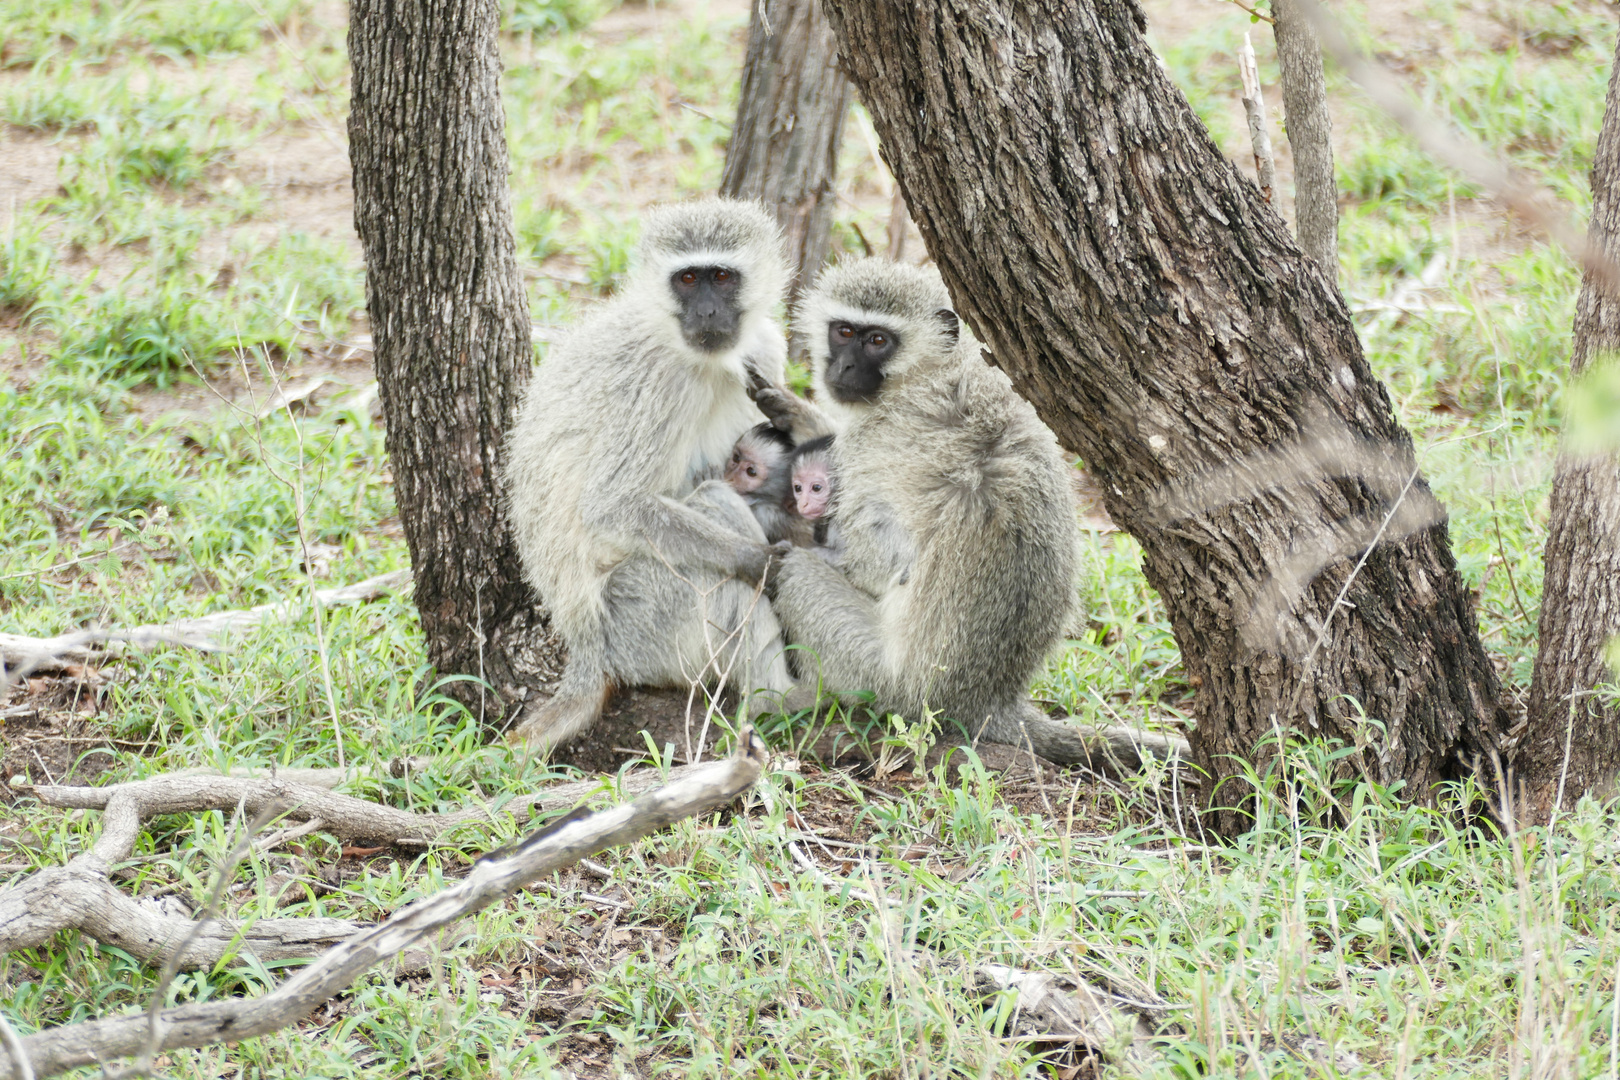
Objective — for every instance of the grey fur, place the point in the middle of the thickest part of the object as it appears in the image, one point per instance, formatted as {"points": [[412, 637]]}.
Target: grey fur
{"points": [[649, 564], [960, 551]]}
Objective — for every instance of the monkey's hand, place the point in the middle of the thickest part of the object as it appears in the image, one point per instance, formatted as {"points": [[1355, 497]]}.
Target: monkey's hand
{"points": [[764, 571], [779, 404]]}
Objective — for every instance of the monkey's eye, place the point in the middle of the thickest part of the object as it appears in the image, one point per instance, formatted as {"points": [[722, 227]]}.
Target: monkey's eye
{"points": [[798, 488], [878, 340], [688, 277], [722, 275], [752, 471], [815, 487], [846, 332]]}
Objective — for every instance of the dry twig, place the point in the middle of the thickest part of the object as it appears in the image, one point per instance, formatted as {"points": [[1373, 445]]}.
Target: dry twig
{"points": [[1254, 108], [21, 654]]}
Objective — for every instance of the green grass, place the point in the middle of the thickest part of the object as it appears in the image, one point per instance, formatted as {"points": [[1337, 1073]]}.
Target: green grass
{"points": [[169, 252]]}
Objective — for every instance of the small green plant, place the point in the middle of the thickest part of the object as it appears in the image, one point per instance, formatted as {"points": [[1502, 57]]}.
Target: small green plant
{"points": [[553, 16], [539, 228], [124, 158], [152, 336], [606, 248], [27, 264]]}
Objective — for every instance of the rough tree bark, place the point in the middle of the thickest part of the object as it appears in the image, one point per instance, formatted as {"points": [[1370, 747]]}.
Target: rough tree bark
{"points": [[1164, 323], [790, 121], [1580, 599], [450, 324], [1305, 114]]}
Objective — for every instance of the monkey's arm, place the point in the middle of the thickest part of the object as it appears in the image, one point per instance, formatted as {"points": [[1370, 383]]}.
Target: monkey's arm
{"points": [[680, 534], [834, 621], [872, 547], [777, 523]]}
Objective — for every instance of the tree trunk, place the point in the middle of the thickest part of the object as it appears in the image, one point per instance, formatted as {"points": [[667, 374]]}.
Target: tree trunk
{"points": [[450, 325], [1166, 326], [1572, 740], [1305, 114], [790, 121]]}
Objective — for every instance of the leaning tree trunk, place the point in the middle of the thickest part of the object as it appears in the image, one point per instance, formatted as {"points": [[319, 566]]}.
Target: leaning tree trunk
{"points": [[1164, 323], [450, 325], [1305, 114], [1572, 739], [790, 121]]}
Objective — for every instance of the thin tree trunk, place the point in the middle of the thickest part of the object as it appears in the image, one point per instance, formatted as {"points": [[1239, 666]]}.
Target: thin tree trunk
{"points": [[450, 324], [1572, 741], [1305, 115], [1166, 326], [790, 121]]}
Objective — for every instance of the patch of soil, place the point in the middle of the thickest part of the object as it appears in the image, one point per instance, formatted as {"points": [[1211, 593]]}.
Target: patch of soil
{"points": [[246, 391], [618, 736], [49, 731], [27, 169]]}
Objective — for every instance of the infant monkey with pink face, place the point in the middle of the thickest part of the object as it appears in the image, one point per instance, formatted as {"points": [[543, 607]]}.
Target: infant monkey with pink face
{"points": [[789, 488]]}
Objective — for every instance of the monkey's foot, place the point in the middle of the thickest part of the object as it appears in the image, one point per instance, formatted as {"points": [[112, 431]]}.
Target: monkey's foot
{"points": [[558, 719]]}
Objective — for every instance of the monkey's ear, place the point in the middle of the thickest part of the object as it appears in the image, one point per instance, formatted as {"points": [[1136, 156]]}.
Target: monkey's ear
{"points": [[948, 319]]}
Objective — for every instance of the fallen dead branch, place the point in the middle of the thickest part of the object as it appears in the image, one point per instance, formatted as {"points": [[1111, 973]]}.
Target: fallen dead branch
{"points": [[22, 654], [345, 816], [80, 897], [56, 1050]]}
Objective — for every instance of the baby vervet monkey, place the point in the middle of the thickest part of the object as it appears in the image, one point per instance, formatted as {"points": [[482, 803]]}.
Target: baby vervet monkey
{"points": [[759, 471], [813, 489], [787, 488]]}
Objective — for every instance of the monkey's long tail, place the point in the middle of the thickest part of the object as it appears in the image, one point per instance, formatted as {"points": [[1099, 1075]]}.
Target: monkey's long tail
{"points": [[1113, 751], [575, 706]]}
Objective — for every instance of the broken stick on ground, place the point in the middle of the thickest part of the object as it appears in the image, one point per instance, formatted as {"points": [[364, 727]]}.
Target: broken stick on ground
{"points": [[79, 895], [21, 655]]}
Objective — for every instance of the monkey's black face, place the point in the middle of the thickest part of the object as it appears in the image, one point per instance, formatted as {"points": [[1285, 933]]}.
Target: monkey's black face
{"points": [[711, 314], [856, 358]]}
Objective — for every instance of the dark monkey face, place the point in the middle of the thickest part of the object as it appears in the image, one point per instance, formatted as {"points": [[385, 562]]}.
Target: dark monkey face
{"points": [[856, 355], [710, 313]]}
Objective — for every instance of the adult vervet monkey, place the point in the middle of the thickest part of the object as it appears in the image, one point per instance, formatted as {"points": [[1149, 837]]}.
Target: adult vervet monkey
{"points": [[650, 564], [960, 550]]}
